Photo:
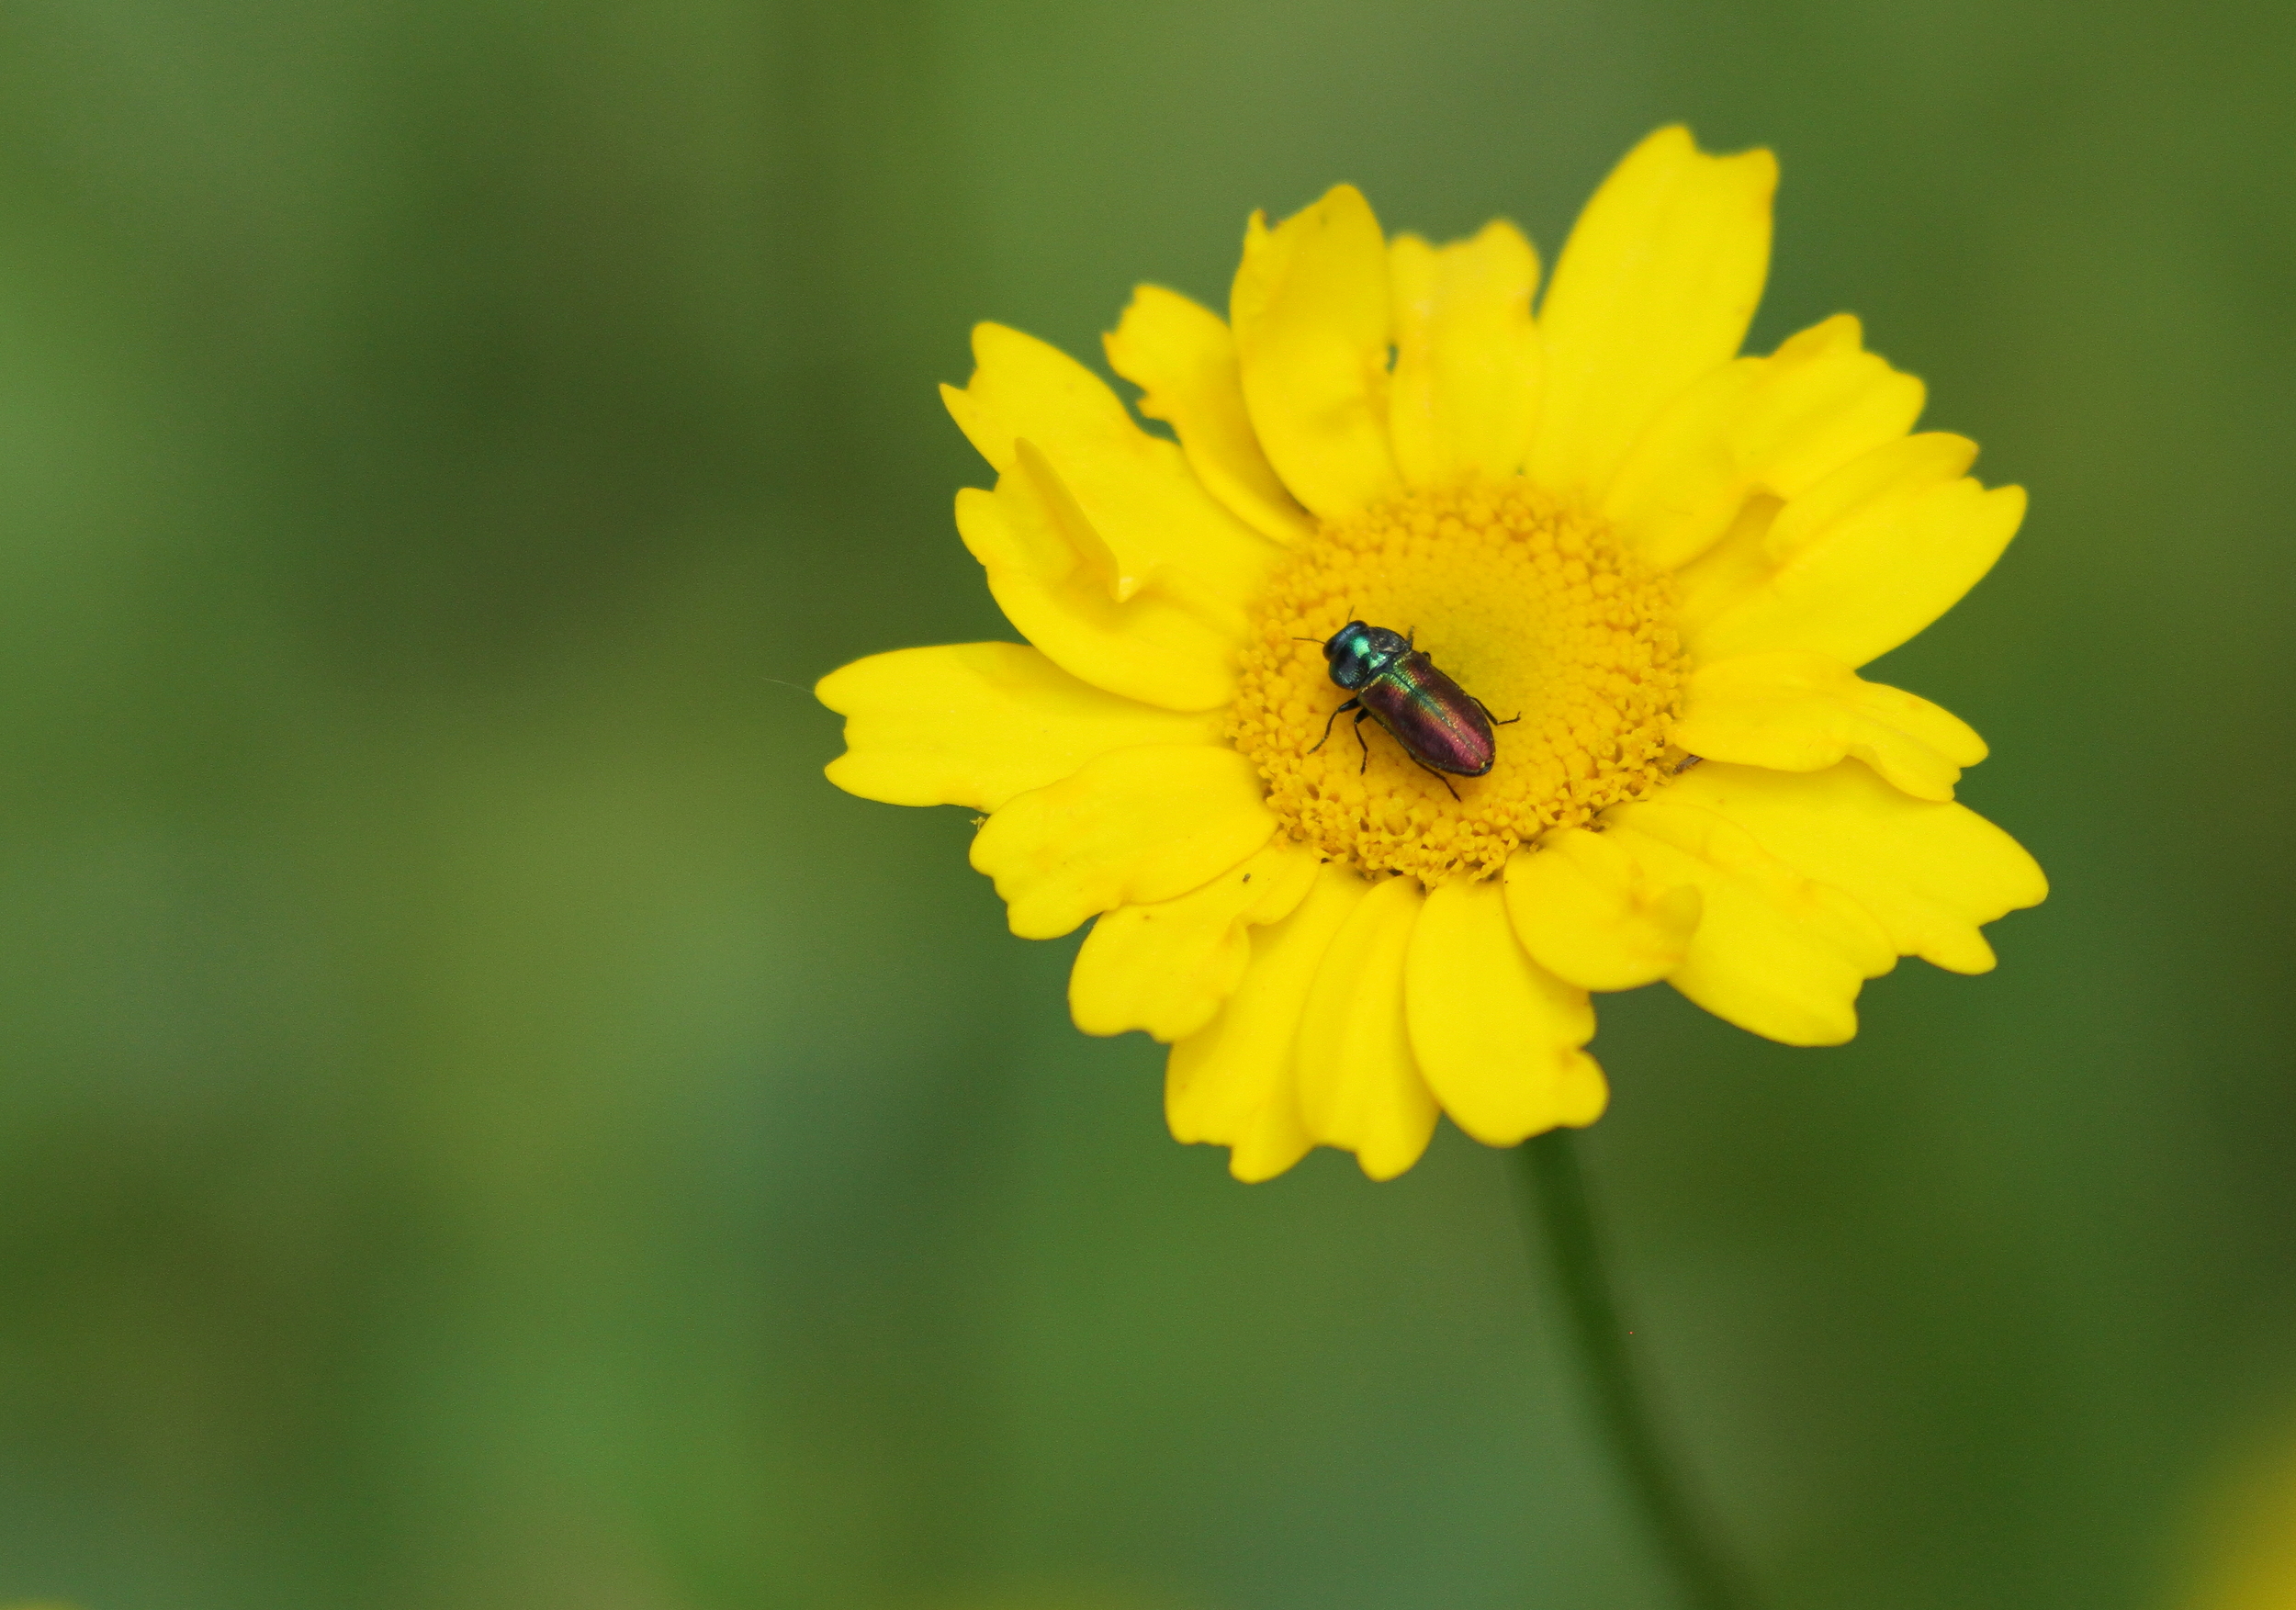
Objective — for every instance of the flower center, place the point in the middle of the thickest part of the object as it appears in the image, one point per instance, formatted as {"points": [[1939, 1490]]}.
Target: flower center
{"points": [[1528, 604]]}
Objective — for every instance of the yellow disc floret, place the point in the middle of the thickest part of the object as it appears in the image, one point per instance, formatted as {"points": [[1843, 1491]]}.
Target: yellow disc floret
{"points": [[1529, 605]]}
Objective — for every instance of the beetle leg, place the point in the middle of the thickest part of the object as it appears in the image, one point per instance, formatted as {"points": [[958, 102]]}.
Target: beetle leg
{"points": [[1494, 721], [1366, 763], [1351, 704], [1431, 772]]}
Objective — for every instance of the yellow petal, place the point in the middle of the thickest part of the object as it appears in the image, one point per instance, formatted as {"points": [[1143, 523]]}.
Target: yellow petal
{"points": [[1777, 425], [1161, 528], [1496, 1035], [1132, 826], [1310, 313], [1797, 711], [1930, 875], [1465, 396], [1166, 967], [1182, 358], [1359, 1088], [1591, 914], [1654, 289], [1857, 564], [1774, 951], [1053, 579], [1233, 1084], [974, 724]]}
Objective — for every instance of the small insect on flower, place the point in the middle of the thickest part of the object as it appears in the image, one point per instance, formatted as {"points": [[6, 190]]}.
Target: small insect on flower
{"points": [[1612, 524], [1442, 726]]}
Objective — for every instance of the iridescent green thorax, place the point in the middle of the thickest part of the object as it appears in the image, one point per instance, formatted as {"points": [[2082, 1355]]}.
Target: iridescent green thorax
{"points": [[1358, 653]]}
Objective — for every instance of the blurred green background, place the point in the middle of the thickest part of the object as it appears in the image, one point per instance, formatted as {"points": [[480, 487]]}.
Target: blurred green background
{"points": [[483, 1124]]}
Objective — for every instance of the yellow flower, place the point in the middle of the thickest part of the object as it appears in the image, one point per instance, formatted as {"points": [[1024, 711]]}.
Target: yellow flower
{"points": [[1632, 544], [2247, 1541]]}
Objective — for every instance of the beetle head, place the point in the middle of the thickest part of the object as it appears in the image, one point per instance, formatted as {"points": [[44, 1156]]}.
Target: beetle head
{"points": [[1359, 652]]}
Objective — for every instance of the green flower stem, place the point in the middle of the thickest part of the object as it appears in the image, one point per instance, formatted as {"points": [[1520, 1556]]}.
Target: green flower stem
{"points": [[1557, 1206]]}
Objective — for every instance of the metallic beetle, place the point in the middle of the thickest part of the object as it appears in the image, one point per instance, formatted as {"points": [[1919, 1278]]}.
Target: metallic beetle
{"points": [[1441, 726]]}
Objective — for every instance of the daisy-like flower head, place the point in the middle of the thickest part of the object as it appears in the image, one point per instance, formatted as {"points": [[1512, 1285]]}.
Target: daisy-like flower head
{"points": [[1656, 563]]}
